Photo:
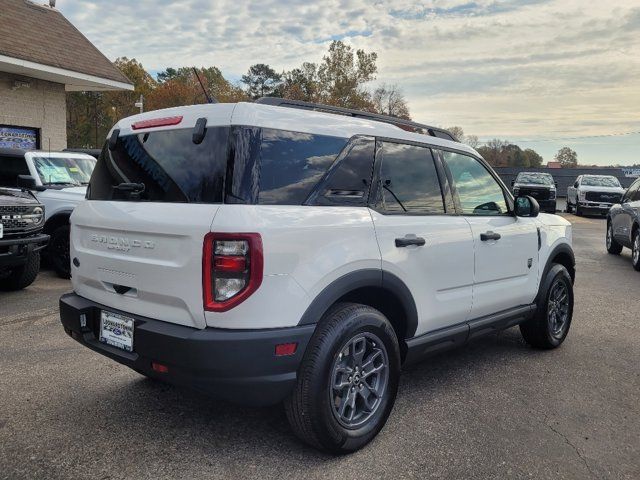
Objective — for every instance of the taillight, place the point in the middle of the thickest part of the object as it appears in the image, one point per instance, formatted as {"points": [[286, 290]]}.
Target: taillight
{"points": [[232, 265], [156, 122]]}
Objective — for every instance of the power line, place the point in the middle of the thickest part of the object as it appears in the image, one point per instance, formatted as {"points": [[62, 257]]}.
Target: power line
{"points": [[561, 139]]}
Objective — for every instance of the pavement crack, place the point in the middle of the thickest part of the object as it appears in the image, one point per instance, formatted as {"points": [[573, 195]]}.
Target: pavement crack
{"points": [[575, 449]]}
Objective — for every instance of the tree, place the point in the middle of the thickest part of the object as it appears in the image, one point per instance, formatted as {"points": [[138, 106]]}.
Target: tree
{"points": [[343, 73], [458, 132], [501, 153], [389, 100], [567, 157], [261, 80], [301, 83]]}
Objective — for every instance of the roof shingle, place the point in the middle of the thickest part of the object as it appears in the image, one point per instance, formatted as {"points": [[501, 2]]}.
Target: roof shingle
{"points": [[43, 35]]}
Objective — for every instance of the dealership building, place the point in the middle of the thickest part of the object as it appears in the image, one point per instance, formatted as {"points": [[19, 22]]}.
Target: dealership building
{"points": [[43, 56]]}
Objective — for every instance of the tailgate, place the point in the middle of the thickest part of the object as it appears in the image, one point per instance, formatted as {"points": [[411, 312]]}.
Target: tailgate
{"points": [[143, 258]]}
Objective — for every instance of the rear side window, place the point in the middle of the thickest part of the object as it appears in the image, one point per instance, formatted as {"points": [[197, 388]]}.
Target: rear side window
{"points": [[408, 180], [278, 167], [10, 168], [291, 164], [168, 163]]}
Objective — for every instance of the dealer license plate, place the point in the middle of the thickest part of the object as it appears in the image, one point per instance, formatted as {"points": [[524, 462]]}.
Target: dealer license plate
{"points": [[116, 330]]}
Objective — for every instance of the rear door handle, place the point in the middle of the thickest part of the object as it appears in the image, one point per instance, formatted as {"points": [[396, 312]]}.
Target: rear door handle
{"points": [[489, 236], [407, 241]]}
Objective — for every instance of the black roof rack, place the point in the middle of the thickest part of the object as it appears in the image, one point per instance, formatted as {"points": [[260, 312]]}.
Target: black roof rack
{"points": [[399, 122]]}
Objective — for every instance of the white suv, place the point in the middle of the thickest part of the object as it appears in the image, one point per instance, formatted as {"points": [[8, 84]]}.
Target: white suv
{"points": [[284, 251]]}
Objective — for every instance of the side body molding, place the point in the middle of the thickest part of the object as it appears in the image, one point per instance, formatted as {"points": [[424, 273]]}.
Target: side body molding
{"points": [[361, 279]]}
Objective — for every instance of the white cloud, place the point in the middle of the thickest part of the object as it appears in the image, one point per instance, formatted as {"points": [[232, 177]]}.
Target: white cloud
{"points": [[497, 68]]}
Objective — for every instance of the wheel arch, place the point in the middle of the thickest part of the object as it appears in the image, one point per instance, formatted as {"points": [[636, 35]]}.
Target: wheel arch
{"points": [[561, 254], [379, 289], [57, 220]]}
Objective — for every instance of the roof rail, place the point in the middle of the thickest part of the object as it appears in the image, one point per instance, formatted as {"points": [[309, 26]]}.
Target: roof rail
{"points": [[376, 117]]}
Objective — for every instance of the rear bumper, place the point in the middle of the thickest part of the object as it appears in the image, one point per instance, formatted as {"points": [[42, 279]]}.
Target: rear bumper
{"points": [[235, 365], [15, 251]]}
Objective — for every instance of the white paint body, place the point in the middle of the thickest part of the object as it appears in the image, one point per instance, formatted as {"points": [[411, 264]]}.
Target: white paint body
{"points": [[574, 194], [453, 278]]}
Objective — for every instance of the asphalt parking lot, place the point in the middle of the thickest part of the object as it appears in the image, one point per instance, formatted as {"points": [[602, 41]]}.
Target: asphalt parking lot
{"points": [[493, 409]]}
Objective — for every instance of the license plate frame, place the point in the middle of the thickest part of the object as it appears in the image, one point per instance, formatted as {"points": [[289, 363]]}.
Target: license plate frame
{"points": [[116, 330]]}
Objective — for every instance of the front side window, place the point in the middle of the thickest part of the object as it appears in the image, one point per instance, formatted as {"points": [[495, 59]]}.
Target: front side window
{"points": [[632, 194], [478, 191], [64, 170], [408, 180]]}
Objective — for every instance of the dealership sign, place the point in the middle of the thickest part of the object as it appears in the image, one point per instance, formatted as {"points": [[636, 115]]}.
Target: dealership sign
{"points": [[18, 137], [631, 172]]}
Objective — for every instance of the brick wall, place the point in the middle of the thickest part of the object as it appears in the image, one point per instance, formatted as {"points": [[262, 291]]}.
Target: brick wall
{"points": [[42, 105]]}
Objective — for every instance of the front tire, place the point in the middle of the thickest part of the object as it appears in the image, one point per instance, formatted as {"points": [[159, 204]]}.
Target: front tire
{"points": [[58, 251], [348, 380], [578, 210], [613, 247], [22, 276], [550, 325], [635, 250]]}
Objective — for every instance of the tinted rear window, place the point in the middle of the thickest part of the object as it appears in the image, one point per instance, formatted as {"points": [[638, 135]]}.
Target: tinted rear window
{"points": [[168, 163]]}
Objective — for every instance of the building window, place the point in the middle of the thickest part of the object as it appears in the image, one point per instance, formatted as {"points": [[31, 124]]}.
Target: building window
{"points": [[24, 138]]}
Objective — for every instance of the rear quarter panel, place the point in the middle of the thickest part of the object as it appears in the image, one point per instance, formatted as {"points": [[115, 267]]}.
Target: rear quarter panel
{"points": [[305, 249]]}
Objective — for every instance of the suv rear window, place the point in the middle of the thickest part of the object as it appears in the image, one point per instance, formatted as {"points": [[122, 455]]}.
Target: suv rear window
{"points": [[168, 163]]}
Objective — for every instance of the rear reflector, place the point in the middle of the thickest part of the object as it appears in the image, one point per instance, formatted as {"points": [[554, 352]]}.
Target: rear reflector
{"points": [[158, 367], [286, 349], [156, 122], [229, 264]]}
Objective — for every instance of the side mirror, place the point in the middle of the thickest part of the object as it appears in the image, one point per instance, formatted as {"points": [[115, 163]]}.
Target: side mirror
{"points": [[556, 184], [575, 185], [526, 206], [27, 182], [513, 182]]}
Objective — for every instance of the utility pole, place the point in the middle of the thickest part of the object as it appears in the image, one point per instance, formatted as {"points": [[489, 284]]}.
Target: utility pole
{"points": [[140, 103]]}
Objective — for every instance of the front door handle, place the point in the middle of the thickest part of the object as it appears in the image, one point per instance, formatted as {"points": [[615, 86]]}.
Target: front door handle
{"points": [[407, 241], [489, 236]]}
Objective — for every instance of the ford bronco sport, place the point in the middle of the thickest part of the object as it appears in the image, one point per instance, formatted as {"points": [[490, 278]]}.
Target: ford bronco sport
{"points": [[21, 237], [285, 251]]}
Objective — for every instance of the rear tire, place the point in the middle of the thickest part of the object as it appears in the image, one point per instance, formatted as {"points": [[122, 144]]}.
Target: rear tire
{"points": [[550, 325], [613, 247], [635, 250], [23, 276], [58, 251], [335, 406]]}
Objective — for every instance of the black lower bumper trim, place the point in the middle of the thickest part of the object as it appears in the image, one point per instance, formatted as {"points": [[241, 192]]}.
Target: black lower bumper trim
{"points": [[15, 251], [235, 365]]}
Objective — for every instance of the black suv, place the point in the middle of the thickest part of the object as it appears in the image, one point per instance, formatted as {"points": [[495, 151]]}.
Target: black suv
{"points": [[539, 186], [21, 238]]}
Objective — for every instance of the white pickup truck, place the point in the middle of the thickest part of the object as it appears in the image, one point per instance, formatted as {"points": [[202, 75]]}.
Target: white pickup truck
{"points": [[59, 182], [593, 194]]}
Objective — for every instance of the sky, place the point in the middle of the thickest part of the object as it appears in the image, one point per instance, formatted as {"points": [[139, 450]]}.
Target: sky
{"points": [[541, 73]]}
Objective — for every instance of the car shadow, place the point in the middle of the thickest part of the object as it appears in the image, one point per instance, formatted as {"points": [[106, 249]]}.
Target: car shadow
{"points": [[159, 414]]}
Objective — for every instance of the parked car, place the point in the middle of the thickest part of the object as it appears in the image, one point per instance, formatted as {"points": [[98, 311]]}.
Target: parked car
{"points": [[282, 251], [540, 186], [623, 225], [21, 238], [61, 180], [593, 194]]}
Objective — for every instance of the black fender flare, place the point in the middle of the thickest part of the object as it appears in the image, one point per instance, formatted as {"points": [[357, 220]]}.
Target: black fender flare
{"points": [[361, 279], [56, 219], [561, 248]]}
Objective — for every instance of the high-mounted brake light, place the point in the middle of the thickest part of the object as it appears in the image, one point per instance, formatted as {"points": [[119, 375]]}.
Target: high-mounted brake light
{"points": [[156, 122], [232, 266]]}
